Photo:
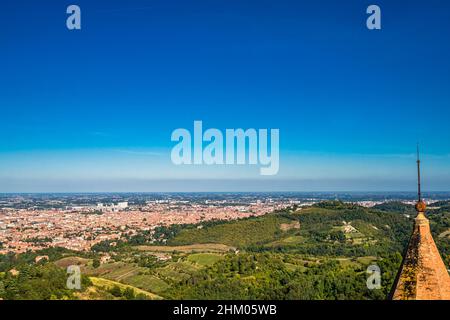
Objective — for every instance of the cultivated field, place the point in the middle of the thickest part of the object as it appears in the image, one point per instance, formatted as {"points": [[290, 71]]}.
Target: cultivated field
{"points": [[203, 247]]}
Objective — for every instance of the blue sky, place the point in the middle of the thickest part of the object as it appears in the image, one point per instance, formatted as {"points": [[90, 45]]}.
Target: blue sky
{"points": [[93, 110]]}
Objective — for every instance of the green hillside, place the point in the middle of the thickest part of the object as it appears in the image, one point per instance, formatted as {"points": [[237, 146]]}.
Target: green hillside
{"points": [[239, 233], [331, 229]]}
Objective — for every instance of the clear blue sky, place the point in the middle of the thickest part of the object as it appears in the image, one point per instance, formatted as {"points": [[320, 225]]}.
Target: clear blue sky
{"points": [[93, 110]]}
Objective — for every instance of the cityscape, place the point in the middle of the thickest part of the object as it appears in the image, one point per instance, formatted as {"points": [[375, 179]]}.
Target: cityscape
{"points": [[79, 221], [79, 226]]}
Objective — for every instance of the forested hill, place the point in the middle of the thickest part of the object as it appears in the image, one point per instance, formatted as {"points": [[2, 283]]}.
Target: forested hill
{"points": [[327, 228]]}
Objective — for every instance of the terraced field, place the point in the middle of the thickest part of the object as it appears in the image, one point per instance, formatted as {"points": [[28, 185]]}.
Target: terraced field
{"points": [[117, 271], [198, 247], [149, 283]]}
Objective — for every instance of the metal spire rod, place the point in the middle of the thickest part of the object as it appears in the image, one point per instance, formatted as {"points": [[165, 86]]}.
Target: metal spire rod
{"points": [[418, 174]]}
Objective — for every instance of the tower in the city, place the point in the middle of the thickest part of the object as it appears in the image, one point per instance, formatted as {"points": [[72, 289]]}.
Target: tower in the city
{"points": [[423, 274]]}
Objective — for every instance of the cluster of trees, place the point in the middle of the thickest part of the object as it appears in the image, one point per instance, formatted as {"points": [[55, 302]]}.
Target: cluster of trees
{"points": [[396, 206], [12, 260], [440, 227], [126, 293], [265, 276], [145, 261], [37, 282]]}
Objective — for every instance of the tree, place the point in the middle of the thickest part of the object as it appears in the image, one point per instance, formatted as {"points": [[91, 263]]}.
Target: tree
{"points": [[129, 294], [115, 291], [96, 263]]}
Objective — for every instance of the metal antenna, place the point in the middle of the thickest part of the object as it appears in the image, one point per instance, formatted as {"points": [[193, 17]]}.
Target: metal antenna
{"points": [[418, 174]]}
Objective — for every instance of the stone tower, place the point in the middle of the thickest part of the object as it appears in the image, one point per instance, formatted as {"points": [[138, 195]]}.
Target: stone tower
{"points": [[422, 275]]}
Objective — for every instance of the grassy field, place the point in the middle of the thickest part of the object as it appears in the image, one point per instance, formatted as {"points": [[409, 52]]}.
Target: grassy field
{"points": [[148, 282], [107, 284], [114, 271], [70, 261], [204, 259], [177, 271], [198, 247], [120, 271], [288, 241]]}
